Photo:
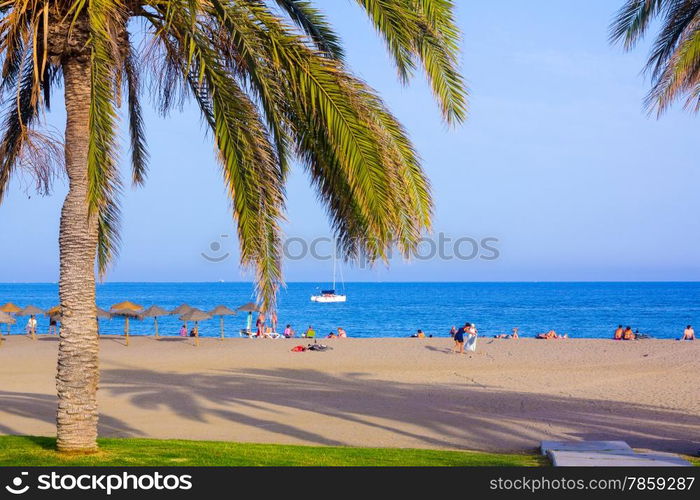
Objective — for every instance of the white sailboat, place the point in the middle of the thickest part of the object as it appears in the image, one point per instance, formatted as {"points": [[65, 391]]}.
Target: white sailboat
{"points": [[327, 296]]}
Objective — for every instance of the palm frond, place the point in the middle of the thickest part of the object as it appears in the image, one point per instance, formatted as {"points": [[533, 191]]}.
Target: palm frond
{"points": [[673, 61], [104, 185], [139, 151], [632, 20], [315, 25]]}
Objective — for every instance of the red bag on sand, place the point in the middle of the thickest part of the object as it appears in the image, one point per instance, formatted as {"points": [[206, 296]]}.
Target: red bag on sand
{"points": [[299, 348]]}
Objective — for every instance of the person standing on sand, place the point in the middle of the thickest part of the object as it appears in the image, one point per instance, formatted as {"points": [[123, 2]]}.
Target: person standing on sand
{"points": [[453, 330], [273, 321], [459, 339], [52, 326], [31, 325], [618, 333], [688, 333]]}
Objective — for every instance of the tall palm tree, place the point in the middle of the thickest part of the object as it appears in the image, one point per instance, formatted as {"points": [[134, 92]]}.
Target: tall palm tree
{"points": [[269, 79], [674, 61]]}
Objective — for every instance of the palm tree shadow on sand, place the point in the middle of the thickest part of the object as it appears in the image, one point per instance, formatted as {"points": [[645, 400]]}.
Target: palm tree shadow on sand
{"points": [[464, 415]]}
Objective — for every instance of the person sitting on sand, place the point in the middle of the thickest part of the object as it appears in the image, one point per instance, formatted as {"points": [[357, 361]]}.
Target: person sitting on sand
{"points": [[688, 333], [331, 335], [628, 334], [193, 332], [183, 331], [260, 325], [309, 333], [288, 332], [342, 334], [515, 335], [618, 333], [419, 335]]}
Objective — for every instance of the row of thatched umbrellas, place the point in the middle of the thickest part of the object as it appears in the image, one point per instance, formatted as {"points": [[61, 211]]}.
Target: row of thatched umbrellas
{"points": [[129, 310]]}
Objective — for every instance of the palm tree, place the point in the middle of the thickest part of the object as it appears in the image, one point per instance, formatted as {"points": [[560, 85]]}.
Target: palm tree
{"points": [[674, 60], [269, 80]]}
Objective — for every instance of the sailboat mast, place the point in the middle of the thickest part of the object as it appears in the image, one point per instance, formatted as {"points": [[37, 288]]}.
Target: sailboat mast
{"points": [[334, 251]]}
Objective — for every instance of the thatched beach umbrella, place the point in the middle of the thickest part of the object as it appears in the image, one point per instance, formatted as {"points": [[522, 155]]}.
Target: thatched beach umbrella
{"points": [[195, 315], [10, 308], [101, 313], [7, 319], [180, 310], [154, 312], [250, 308], [222, 311], [31, 311], [127, 310]]}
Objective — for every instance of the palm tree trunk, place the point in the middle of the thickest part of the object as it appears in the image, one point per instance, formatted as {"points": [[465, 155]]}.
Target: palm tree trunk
{"points": [[78, 370]]}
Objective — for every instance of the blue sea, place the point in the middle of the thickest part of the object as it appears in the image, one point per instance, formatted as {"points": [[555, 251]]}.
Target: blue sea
{"points": [[591, 310]]}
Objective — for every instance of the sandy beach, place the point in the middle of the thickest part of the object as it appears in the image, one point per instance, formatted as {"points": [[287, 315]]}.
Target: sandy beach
{"points": [[374, 392]]}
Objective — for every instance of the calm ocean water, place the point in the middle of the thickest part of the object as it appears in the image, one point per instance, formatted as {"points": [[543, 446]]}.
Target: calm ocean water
{"points": [[398, 309]]}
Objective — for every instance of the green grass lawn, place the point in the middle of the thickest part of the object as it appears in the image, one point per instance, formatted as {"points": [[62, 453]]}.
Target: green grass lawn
{"points": [[39, 451]]}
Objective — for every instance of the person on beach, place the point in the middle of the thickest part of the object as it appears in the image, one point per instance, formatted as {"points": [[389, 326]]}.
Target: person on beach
{"points": [[453, 330], [459, 339], [52, 326], [193, 332], [618, 333], [342, 334], [331, 335], [418, 335], [688, 333], [31, 325], [183, 331], [472, 333], [628, 334], [260, 325], [310, 332], [551, 334], [273, 321], [515, 335], [288, 332]]}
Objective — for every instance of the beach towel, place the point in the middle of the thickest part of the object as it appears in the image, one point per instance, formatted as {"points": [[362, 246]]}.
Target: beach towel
{"points": [[471, 343], [299, 348], [318, 347]]}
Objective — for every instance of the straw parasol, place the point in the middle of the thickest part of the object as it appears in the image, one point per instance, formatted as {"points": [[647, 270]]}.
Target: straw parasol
{"points": [[31, 311], [182, 309], [250, 308], [10, 308], [127, 310], [196, 315], [9, 320], [101, 313], [222, 311], [154, 312]]}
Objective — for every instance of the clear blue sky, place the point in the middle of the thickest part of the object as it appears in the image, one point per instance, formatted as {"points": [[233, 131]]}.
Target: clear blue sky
{"points": [[557, 160]]}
